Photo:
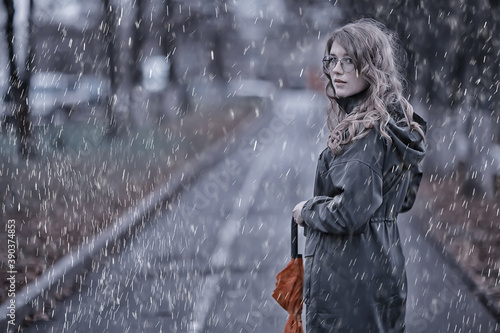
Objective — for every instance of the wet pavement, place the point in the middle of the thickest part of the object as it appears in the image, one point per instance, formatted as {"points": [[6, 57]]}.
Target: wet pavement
{"points": [[207, 261]]}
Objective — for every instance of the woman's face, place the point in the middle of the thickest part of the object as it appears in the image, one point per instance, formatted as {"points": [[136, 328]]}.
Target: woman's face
{"points": [[345, 84]]}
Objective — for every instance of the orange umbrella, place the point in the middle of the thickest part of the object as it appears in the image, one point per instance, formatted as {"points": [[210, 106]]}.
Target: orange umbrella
{"points": [[288, 292]]}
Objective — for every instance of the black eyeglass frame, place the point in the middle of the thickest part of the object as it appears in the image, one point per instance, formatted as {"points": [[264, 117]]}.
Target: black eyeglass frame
{"points": [[329, 63]]}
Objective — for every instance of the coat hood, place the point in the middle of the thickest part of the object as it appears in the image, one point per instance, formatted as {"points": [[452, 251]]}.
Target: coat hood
{"points": [[408, 143]]}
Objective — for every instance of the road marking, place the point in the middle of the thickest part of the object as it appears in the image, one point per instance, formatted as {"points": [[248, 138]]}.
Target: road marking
{"points": [[226, 237]]}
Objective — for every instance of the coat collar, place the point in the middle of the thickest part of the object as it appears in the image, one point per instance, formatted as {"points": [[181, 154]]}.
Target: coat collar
{"points": [[347, 104]]}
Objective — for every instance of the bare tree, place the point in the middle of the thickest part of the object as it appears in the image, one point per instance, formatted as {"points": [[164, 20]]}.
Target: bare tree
{"points": [[19, 83], [138, 38], [110, 31], [176, 88]]}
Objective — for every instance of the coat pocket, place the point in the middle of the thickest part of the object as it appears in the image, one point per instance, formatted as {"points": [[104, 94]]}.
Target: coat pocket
{"points": [[307, 278], [309, 254]]}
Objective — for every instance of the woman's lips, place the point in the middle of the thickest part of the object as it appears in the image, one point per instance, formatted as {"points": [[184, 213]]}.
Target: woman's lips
{"points": [[338, 81]]}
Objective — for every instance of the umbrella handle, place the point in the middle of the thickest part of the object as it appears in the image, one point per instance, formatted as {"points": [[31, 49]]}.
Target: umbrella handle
{"points": [[295, 240]]}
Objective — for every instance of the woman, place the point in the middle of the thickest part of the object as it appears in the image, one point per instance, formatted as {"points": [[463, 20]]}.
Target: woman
{"points": [[355, 279]]}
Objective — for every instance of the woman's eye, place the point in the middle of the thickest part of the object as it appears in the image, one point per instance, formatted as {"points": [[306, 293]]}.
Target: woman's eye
{"points": [[348, 61]]}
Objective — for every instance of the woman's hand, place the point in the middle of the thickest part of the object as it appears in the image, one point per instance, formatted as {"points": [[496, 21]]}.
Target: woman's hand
{"points": [[297, 213]]}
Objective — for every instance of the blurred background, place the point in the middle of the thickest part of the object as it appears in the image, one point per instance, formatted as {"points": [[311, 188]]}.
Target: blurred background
{"points": [[132, 62], [92, 89]]}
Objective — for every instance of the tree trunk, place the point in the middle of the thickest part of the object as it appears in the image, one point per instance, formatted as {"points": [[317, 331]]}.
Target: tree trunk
{"points": [[19, 86], [137, 43], [170, 30], [177, 97], [109, 28]]}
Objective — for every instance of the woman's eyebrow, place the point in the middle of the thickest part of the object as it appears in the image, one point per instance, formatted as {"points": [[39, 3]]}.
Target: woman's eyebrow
{"points": [[334, 55]]}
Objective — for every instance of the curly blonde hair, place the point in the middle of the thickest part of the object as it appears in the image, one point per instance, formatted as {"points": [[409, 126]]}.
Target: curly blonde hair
{"points": [[374, 51]]}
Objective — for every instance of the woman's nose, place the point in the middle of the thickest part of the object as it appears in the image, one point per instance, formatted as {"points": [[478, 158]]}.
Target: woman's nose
{"points": [[338, 68]]}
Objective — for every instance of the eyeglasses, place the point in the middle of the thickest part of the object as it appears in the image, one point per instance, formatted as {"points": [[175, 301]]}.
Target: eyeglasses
{"points": [[346, 63]]}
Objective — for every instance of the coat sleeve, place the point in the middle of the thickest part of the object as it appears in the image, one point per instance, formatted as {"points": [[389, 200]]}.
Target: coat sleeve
{"points": [[360, 195], [414, 184]]}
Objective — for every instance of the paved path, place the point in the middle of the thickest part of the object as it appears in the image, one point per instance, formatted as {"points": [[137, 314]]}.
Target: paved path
{"points": [[207, 262]]}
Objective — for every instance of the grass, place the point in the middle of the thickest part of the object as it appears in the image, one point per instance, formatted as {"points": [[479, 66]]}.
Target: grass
{"points": [[467, 229]]}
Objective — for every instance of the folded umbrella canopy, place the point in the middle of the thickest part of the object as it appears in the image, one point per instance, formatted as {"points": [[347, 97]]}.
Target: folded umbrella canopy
{"points": [[288, 292]]}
